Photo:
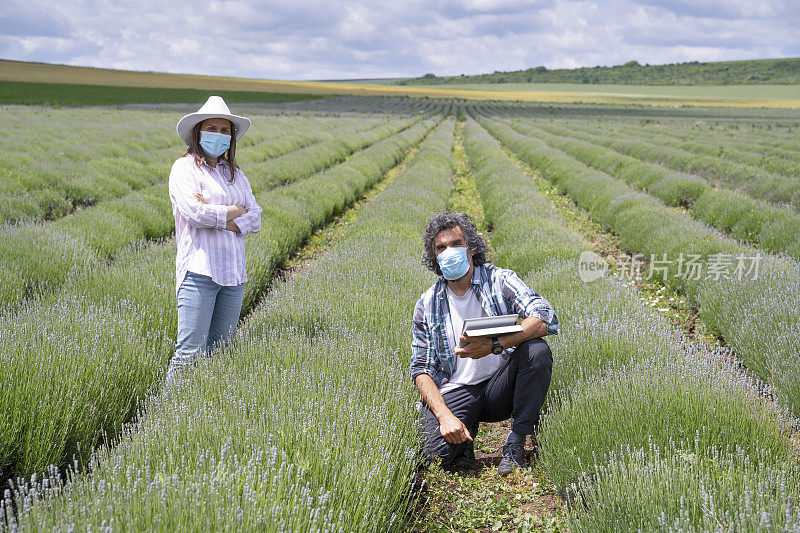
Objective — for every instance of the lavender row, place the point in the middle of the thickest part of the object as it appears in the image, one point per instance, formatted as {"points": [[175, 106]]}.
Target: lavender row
{"points": [[37, 258], [772, 147], [755, 181], [65, 159], [774, 229], [631, 402], [648, 227]]}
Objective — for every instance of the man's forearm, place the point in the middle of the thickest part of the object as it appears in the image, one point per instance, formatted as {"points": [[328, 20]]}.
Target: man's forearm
{"points": [[431, 395], [532, 328], [452, 429]]}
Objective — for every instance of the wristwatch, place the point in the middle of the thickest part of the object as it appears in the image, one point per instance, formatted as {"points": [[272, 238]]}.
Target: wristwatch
{"points": [[497, 348]]}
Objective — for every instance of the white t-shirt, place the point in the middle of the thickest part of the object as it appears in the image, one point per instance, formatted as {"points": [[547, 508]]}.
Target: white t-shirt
{"points": [[468, 371]]}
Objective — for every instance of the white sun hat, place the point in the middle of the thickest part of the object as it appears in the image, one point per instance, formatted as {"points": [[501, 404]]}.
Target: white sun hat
{"points": [[214, 107]]}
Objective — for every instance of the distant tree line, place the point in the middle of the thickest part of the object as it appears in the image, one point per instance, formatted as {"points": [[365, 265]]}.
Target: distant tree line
{"points": [[753, 72]]}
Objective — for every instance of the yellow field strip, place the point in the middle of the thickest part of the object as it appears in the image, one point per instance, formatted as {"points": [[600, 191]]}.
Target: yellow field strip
{"points": [[46, 73]]}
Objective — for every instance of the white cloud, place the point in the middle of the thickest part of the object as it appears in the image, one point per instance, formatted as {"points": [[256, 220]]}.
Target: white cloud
{"points": [[323, 39]]}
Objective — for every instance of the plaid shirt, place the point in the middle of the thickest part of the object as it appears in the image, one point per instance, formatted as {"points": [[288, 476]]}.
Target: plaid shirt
{"points": [[500, 292]]}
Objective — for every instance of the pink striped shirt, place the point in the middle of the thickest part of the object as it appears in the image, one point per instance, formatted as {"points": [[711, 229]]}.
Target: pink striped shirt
{"points": [[204, 245]]}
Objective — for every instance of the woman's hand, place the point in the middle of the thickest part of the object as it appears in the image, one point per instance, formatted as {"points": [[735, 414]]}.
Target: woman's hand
{"points": [[200, 198]]}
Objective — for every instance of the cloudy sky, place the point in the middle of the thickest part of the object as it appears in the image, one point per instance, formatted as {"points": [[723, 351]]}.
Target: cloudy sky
{"points": [[332, 39]]}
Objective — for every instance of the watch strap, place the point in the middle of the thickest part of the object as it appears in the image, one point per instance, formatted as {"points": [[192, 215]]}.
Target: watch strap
{"points": [[497, 348]]}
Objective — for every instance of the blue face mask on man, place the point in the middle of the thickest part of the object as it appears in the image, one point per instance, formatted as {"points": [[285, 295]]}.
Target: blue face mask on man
{"points": [[453, 262], [213, 143]]}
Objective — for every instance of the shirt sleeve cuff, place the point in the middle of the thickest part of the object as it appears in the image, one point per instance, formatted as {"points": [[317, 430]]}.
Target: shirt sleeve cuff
{"points": [[549, 318], [222, 216], [418, 372], [245, 223], [552, 324]]}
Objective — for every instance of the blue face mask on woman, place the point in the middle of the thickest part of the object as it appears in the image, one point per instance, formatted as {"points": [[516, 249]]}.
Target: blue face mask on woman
{"points": [[213, 143], [453, 262]]}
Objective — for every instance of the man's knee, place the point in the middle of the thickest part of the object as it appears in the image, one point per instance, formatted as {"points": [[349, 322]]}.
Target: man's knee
{"points": [[433, 444], [535, 353], [435, 448]]}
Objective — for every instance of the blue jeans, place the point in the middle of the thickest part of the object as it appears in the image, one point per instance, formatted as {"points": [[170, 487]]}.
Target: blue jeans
{"points": [[207, 317]]}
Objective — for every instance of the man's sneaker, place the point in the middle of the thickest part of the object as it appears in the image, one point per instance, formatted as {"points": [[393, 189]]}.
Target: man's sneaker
{"points": [[513, 458], [467, 457]]}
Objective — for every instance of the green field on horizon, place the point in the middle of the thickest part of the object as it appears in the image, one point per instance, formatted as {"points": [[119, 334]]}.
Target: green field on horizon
{"points": [[70, 85], [722, 92]]}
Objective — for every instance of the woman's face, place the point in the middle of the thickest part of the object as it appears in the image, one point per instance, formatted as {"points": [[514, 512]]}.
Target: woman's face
{"points": [[217, 125]]}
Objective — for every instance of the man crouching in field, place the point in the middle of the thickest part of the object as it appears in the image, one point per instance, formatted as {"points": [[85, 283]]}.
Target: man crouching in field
{"points": [[483, 380]]}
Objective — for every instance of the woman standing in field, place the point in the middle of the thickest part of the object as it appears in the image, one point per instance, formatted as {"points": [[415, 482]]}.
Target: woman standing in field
{"points": [[214, 208]]}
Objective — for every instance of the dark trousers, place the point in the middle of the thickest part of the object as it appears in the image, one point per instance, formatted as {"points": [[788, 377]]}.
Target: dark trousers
{"points": [[516, 390]]}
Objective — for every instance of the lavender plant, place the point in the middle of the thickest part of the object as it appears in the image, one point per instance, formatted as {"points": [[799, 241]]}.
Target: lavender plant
{"points": [[760, 317], [677, 395], [75, 158], [689, 488], [644, 224], [754, 180], [755, 148], [648, 227], [773, 228]]}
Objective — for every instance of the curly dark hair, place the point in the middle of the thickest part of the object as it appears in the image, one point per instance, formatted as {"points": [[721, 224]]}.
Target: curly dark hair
{"points": [[447, 220]]}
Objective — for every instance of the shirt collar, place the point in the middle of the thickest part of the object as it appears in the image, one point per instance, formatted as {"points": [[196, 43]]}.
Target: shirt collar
{"points": [[220, 161], [478, 275]]}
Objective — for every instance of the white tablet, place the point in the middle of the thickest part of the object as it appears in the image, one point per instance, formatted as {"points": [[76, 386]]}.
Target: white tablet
{"points": [[491, 326]]}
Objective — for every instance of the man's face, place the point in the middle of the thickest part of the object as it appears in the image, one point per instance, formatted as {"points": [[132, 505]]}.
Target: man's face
{"points": [[451, 237]]}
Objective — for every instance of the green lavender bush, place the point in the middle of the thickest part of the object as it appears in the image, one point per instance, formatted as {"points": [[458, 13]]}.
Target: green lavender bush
{"points": [[753, 180], [773, 228], [688, 488], [644, 224], [102, 231], [626, 388], [762, 330]]}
